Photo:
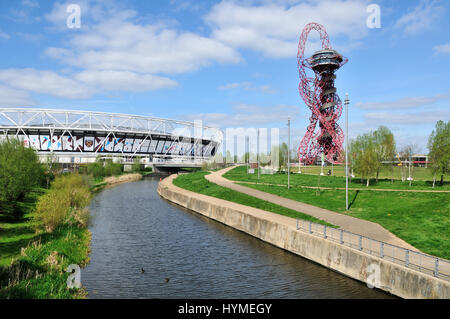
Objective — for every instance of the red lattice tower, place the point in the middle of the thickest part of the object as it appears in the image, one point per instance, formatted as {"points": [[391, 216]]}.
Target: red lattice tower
{"points": [[320, 96]]}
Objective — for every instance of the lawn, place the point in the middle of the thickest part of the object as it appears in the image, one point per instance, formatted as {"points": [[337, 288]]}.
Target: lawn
{"points": [[16, 233], [421, 219], [418, 173], [196, 182], [305, 179]]}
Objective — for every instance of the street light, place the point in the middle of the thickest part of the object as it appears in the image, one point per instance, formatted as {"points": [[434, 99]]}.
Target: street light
{"points": [[289, 152], [257, 152], [346, 102]]}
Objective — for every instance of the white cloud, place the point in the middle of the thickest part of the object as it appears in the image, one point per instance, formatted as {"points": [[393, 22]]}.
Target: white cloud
{"points": [[81, 85], [124, 81], [30, 3], [404, 103], [122, 45], [10, 97], [442, 49], [421, 17], [247, 86], [3, 35], [245, 115], [416, 118], [274, 29], [46, 82]]}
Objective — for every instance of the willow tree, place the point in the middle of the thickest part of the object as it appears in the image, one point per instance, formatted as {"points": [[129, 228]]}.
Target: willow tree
{"points": [[439, 147]]}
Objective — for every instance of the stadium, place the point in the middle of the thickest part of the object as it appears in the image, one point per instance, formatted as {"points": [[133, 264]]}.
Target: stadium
{"points": [[75, 137]]}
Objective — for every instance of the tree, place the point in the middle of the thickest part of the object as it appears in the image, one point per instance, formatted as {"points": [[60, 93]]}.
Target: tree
{"points": [[385, 148], [439, 147], [20, 171], [51, 167], [282, 155], [366, 161], [136, 167], [408, 152], [96, 169]]}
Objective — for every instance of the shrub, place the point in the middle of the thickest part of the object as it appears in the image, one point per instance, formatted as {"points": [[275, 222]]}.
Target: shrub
{"points": [[112, 168], [52, 209], [65, 202], [96, 169], [20, 171]]}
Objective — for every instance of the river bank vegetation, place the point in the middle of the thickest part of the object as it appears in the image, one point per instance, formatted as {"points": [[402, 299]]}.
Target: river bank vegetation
{"points": [[44, 220], [57, 234]]}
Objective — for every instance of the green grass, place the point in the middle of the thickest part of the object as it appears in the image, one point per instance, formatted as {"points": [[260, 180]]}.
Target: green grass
{"points": [[421, 219], [16, 232], [35, 274], [33, 262], [239, 174], [418, 173], [196, 182]]}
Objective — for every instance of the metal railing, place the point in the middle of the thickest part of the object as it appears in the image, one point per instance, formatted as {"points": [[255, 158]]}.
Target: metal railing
{"points": [[424, 263]]}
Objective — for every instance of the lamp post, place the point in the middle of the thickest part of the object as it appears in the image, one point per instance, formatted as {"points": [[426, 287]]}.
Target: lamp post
{"points": [[346, 102], [257, 152], [289, 152]]}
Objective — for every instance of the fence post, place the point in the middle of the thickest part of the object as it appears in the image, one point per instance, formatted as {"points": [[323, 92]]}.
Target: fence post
{"points": [[324, 231], [436, 268], [381, 249], [407, 258], [342, 236], [360, 242], [310, 227]]}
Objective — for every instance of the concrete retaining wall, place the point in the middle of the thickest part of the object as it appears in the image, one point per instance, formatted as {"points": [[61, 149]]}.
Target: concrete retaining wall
{"points": [[394, 278]]}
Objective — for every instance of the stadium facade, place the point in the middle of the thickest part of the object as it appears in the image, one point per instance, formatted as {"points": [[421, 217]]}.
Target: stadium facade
{"points": [[76, 137]]}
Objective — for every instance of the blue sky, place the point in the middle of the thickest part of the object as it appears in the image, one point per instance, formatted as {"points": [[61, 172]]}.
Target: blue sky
{"points": [[228, 63]]}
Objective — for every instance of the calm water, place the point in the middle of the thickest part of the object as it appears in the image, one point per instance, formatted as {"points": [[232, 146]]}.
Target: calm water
{"points": [[133, 228]]}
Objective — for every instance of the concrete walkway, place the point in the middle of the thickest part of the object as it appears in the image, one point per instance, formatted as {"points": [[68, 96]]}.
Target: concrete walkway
{"points": [[345, 222]]}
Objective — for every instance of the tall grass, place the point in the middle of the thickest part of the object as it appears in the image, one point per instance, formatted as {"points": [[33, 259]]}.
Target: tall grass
{"points": [[64, 203], [61, 219]]}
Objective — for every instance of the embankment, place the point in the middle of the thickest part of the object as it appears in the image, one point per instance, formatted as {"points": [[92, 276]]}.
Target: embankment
{"points": [[393, 278], [113, 180]]}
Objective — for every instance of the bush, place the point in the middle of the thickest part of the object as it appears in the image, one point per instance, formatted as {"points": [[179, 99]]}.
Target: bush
{"points": [[96, 169], [100, 169], [20, 171], [112, 168], [65, 203], [52, 210]]}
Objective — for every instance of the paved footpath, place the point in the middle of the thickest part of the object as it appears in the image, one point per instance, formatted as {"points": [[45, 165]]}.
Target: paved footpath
{"points": [[345, 222]]}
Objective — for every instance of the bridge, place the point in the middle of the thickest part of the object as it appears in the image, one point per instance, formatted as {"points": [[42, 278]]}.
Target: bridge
{"points": [[77, 137]]}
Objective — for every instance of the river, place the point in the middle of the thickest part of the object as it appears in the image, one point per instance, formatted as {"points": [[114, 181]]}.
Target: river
{"points": [[145, 247]]}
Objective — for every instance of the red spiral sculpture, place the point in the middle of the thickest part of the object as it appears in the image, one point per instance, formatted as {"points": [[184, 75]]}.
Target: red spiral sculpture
{"points": [[320, 96]]}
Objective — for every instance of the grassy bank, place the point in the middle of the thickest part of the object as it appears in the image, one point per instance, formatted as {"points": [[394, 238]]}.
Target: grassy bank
{"points": [[418, 173], [240, 174], [196, 182], [17, 232], [37, 248], [421, 219]]}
